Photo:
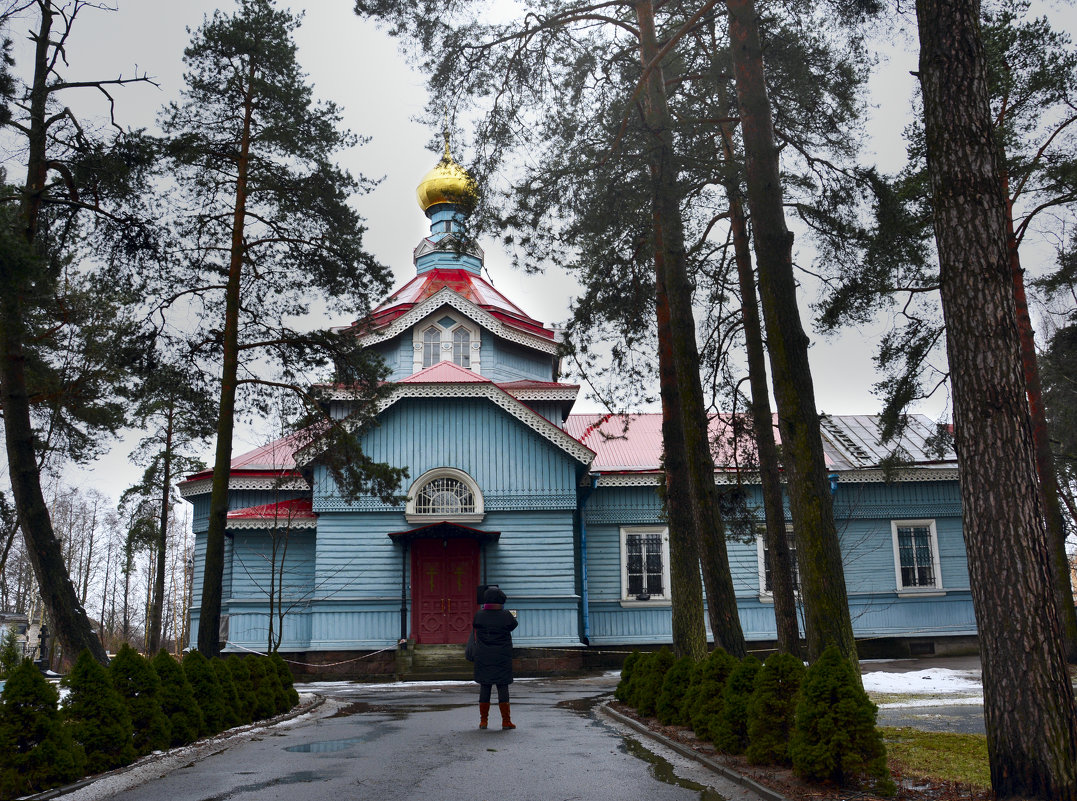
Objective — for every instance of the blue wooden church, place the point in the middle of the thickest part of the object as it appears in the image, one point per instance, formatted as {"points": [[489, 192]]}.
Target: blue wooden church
{"points": [[561, 510]]}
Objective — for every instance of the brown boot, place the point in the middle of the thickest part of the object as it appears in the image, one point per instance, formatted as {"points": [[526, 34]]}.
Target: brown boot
{"points": [[484, 714], [506, 721]]}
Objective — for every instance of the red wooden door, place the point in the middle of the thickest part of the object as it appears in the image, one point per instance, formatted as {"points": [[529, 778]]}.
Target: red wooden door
{"points": [[444, 575]]}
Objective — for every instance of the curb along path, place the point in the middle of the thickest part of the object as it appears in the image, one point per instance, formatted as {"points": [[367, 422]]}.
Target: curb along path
{"points": [[764, 793], [105, 785]]}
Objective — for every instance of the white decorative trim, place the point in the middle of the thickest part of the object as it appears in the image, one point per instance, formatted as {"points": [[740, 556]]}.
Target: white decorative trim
{"points": [[445, 472], [648, 479], [269, 523], [447, 297], [189, 489], [631, 480], [446, 338], [543, 394]]}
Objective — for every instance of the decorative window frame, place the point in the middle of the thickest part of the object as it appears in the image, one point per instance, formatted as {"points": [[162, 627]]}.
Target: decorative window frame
{"points": [[914, 591], [767, 596], [433, 475], [627, 600], [418, 334]]}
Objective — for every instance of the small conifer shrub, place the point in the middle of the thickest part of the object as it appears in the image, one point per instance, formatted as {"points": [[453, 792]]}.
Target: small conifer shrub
{"points": [[730, 730], [136, 681], [36, 749], [207, 692], [96, 716], [670, 704], [772, 709], [650, 681], [287, 683], [229, 694], [265, 695], [177, 699], [241, 675], [631, 662], [10, 653], [707, 696], [835, 739]]}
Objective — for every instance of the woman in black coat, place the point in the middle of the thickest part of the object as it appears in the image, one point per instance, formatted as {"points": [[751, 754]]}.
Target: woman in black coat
{"points": [[493, 627]]}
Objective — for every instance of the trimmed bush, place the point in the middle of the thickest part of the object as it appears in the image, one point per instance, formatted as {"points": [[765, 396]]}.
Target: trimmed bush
{"points": [[136, 681], [730, 730], [670, 704], [628, 669], [706, 698], [36, 750], [229, 693], [835, 739], [96, 716], [289, 694], [650, 681], [207, 692], [177, 699], [772, 710], [10, 653], [263, 679], [241, 675]]}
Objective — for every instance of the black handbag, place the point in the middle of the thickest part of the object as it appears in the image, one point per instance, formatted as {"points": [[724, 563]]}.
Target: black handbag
{"points": [[469, 649]]}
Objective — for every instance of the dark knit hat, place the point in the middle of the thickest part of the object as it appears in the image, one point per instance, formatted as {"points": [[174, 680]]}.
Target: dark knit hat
{"points": [[493, 596]]}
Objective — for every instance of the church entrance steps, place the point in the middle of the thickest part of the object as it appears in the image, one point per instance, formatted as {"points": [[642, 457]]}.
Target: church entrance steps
{"points": [[422, 662]]}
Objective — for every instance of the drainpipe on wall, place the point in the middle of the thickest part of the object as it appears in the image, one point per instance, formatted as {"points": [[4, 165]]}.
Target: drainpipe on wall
{"points": [[585, 637], [403, 597]]}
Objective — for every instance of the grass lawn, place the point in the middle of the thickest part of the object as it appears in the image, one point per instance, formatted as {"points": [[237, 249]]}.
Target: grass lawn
{"points": [[939, 755]]}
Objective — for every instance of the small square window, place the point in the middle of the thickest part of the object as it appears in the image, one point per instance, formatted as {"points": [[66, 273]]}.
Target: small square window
{"points": [[644, 564], [764, 559], [916, 554], [446, 322]]}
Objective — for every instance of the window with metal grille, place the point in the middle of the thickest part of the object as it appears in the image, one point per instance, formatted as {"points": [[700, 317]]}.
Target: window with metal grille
{"points": [[444, 496], [645, 569], [431, 346], [916, 555], [461, 347], [791, 544]]}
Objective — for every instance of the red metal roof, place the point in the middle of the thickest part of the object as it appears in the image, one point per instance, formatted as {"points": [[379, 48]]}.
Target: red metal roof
{"points": [[627, 443], [464, 283], [298, 509]]}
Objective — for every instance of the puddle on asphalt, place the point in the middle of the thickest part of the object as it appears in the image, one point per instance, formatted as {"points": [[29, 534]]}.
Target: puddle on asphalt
{"points": [[663, 771], [395, 711], [329, 746], [582, 705]]}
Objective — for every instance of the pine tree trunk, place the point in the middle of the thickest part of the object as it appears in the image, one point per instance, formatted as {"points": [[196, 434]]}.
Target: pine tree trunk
{"points": [[686, 592], [670, 260], [209, 616], [157, 610], [1045, 464], [66, 614], [822, 576], [779, 559], [1029, 707]]}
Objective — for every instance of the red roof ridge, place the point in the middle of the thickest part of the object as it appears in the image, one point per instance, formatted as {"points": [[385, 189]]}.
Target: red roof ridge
{"points": [[445, 372]]}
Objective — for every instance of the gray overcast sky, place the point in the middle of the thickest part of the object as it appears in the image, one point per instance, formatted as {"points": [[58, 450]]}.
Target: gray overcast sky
{"points": [[358, 67]]}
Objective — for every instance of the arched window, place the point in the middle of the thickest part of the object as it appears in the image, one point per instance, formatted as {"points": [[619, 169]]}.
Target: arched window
{"points": [[461, 347], [431, 346], [444, 496], [445, 493]]}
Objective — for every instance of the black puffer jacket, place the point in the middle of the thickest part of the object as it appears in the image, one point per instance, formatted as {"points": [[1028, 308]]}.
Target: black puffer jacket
{"points": [[493, 644]]}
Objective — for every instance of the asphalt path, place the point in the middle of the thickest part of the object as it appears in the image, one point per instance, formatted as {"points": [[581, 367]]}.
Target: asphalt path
{"points": [[371, 743]]}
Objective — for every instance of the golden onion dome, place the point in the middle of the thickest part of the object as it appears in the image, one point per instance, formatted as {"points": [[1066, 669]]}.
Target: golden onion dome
{"points": [[448, 182]]}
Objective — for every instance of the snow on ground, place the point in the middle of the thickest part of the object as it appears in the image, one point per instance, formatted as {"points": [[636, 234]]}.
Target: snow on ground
{"points": [[925, 687]]}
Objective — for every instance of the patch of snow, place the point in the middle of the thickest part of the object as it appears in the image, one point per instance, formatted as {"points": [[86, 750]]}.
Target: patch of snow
{"points": [[935, 681]]}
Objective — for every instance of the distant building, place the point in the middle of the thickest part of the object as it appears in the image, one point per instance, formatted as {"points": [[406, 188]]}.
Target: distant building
{"points": [[509, 487]]}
